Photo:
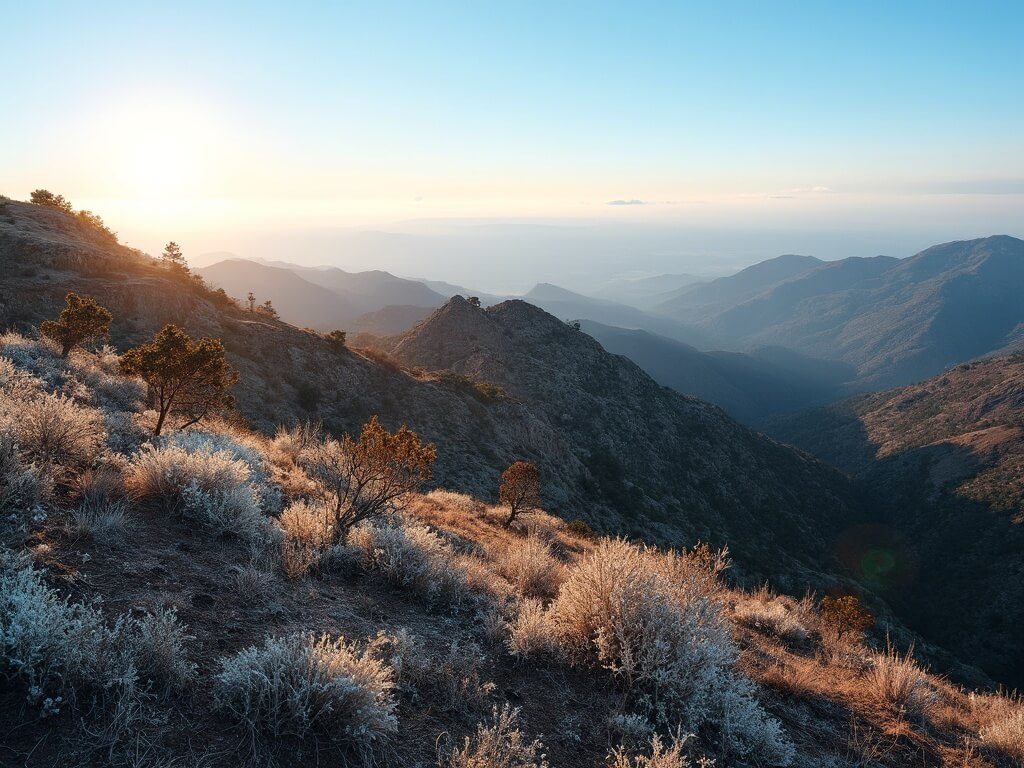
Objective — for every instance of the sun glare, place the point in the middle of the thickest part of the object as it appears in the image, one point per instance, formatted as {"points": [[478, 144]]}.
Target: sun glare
{"points": [[155, 149]]}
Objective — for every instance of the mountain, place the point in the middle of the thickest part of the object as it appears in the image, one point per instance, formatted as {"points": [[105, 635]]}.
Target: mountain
{"points": [[373, 289], [491, 386], [324, 298], [644, 292], [943, 464], [299, 301], [749, 387], [896, 321], [569, 305], [735, 289]]}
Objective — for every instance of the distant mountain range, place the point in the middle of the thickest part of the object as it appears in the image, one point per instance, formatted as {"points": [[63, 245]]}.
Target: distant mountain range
{"points": [[325, 298], [809, 330], [894, 320]]}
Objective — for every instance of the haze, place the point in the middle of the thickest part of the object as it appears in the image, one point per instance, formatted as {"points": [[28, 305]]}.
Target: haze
{"points": [[502, 145]]}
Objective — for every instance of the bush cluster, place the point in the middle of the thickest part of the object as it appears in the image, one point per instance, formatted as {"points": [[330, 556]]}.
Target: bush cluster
{"points": [[302, 684]]}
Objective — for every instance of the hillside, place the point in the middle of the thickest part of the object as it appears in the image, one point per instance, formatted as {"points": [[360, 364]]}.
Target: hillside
{"points": [[895, 321], [614, 448], [945, 461], [144, 621], [189, 599], [749, 387]]}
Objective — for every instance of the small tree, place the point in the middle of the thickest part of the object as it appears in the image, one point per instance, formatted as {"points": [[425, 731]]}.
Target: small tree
{"points": [[364, 480], [251, 299], [474, 300], [184, 377], [82, 318], [267, 308], [845, 615], [46, 198], [520, 490], [337, 338]]}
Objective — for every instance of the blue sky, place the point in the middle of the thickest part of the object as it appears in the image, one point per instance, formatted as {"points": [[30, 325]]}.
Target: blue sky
{"points": [[809, 116]]}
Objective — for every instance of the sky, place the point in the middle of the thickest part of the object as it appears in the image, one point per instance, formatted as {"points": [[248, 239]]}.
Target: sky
{"points": [[501, 144]]}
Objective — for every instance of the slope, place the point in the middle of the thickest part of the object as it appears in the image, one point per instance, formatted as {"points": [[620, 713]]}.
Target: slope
{"points": [[748, 387], [945, 461]]}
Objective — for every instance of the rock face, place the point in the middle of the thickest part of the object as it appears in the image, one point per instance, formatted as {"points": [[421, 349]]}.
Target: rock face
{"points": [[614, 448]]}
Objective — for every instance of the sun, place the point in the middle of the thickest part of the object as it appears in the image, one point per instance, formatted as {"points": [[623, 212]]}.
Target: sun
{"points": [[155, 149]]}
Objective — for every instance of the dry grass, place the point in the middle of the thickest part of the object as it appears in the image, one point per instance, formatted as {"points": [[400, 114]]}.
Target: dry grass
{"points": [[897, 683]]}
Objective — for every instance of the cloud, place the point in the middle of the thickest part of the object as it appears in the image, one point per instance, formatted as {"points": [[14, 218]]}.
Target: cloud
{"points": [[626, 202], [781, 197]]}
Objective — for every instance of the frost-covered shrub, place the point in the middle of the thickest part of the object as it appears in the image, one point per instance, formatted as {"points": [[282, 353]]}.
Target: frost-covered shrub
{"points": [[15, 384], [20, 485], [41, 359], [531, 567], [500, 744], [54, 430], [655, 622], [532, 631], [60, 648], [161, 655], [207, 478], [302, 684], [412, 556], [450, 680]]}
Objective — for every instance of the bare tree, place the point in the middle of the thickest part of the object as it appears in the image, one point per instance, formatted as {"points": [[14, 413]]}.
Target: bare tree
{"points": [[365, 479]]}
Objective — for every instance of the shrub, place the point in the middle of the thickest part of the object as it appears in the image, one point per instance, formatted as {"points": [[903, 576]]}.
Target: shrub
{"points": [[660, 756], [579, 529], [898, 683], [307, 534], [413, 557], [532, 632], [844, 616], [655, 622], [367, 479], [81, 319], [20, 487], [498, 745], [774, 615], [531, 567], [207, 478], [57, 432], [452, 680], [299, 685], [46, 198], [68, 649], [161, 654]]}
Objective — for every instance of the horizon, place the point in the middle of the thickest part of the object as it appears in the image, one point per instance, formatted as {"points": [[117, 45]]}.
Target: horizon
{"points": [[498, 147]]}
